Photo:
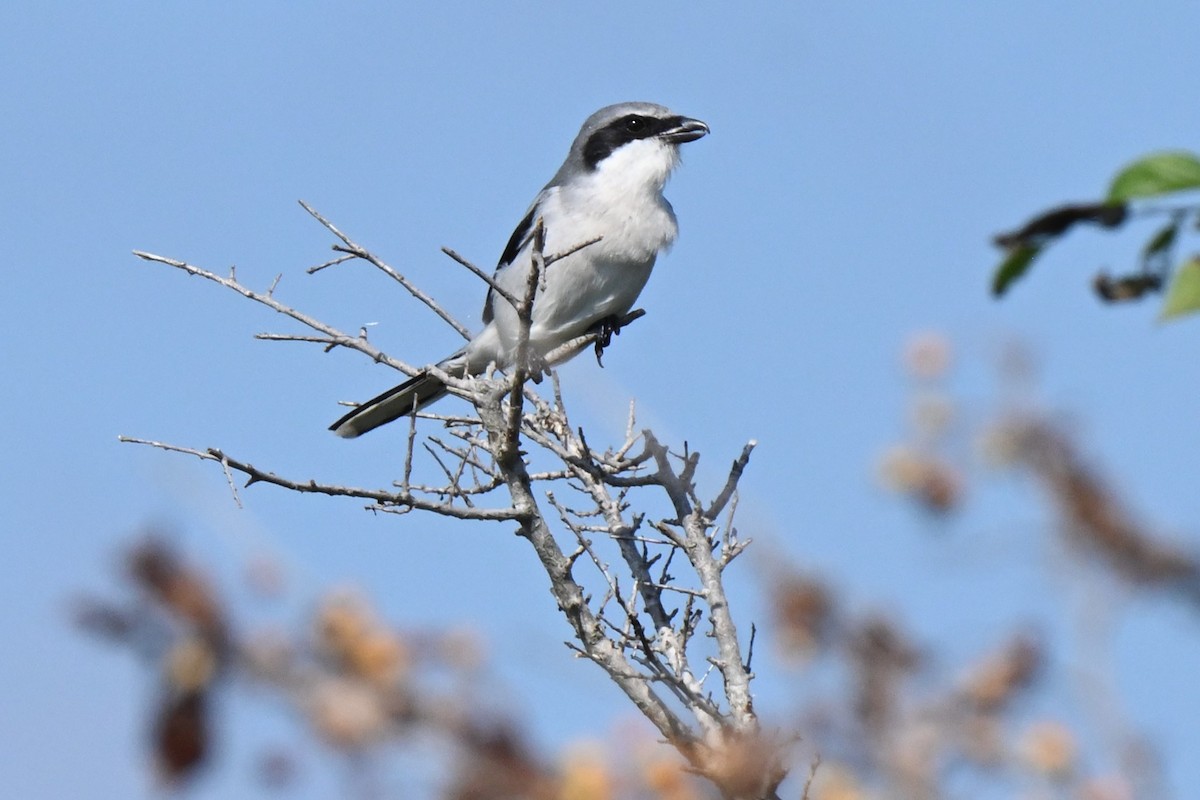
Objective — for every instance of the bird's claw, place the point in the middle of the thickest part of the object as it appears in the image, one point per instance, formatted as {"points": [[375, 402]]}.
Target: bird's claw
{"points": [[605, 329], [536, 367]]}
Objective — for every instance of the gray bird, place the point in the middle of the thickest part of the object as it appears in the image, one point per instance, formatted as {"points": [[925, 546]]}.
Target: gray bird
{"points": [[610, 188]]}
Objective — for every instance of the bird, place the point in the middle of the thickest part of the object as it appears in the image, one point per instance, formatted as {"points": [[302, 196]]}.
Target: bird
{"points": [[608, 191]]}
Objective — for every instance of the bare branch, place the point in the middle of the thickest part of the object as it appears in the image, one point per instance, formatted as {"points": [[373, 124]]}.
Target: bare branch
{"points": [[482, 275], [330, 263], [356, 250], [735, 475], [572, 250], [409, 446], [380, 496], [636, 632], [335, 336], [699, 550]]}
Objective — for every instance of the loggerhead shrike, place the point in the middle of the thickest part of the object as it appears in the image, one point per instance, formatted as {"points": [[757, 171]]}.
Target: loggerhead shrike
{"points": [[610, 189]]}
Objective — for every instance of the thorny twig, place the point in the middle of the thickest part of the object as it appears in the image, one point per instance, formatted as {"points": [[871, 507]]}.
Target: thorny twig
{"points": [[352, 248]]}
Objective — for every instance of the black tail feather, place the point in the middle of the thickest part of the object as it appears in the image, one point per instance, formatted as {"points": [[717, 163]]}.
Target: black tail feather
{"points": [[399, 401]]}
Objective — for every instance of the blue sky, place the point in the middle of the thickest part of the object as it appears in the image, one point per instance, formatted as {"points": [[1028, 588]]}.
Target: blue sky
{"points": [[861, 156]]}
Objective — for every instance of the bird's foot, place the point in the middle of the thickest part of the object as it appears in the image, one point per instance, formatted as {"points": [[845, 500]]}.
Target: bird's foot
{"points": [[535, 366], [605, 329]]}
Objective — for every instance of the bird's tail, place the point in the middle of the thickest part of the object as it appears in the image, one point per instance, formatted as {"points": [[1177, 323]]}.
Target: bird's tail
{"points": [[415, 393]]}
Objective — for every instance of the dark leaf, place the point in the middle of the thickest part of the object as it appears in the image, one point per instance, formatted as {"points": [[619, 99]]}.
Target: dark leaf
{"points": [[1013, 267], [1162, 240], [181, 735]]}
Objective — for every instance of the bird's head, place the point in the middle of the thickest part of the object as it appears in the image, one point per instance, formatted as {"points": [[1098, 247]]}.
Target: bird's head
{"points": [[632, 137]]}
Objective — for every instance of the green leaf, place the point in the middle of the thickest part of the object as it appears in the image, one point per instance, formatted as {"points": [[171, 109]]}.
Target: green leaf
{"points": [[1013, 267], [1160, 173], [1162, 241], [1184, 295]]}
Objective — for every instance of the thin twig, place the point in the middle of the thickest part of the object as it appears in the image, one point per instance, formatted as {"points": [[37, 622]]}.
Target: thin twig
{"points": [[336, 336], [331, 262], [383, 497], [572, 250], [482, 275], [735, 475], [352, 248]]}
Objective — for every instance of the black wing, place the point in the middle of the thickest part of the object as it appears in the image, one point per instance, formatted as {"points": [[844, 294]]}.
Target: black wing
{"points": [[515, 242]]}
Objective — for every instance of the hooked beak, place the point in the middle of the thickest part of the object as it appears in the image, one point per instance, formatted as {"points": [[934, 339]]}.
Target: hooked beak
{"points": [[685, 129]]}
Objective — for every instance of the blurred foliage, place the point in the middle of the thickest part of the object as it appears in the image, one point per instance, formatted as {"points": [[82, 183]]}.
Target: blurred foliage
{"points": [[904, 721], [1154, 175], [358, 684], [929, 468], [1184, 294]]}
